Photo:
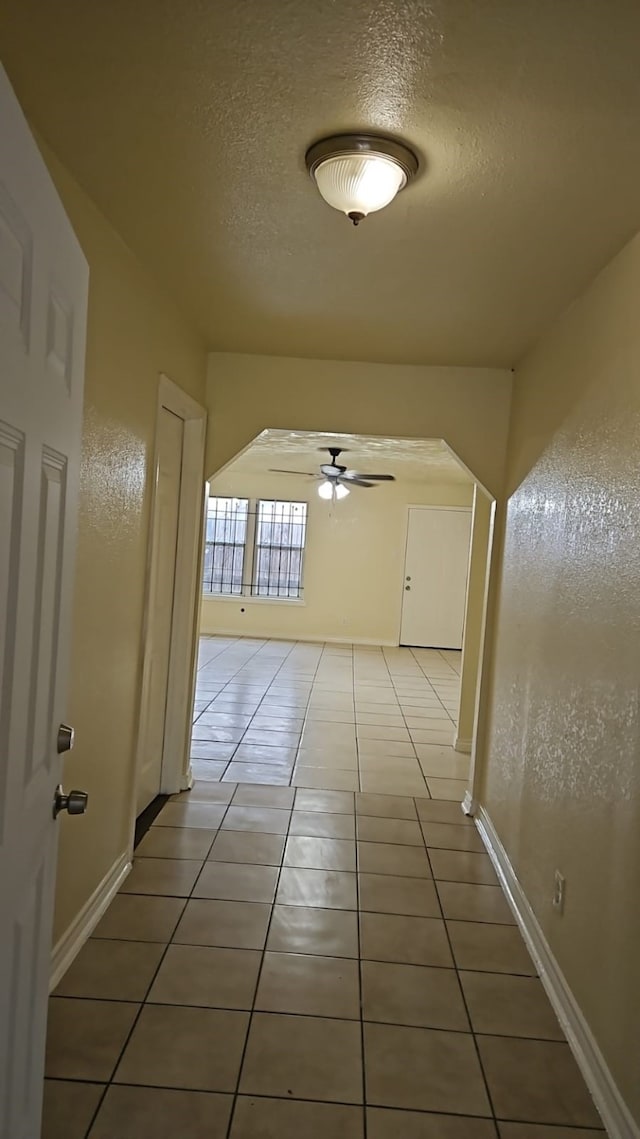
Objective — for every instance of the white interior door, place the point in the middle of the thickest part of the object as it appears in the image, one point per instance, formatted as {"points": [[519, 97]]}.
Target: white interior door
{"points": [[43, 297], [435, 577], [164, 548]]}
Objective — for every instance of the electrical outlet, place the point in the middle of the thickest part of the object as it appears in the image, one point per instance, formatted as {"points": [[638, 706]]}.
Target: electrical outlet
{"points": [[558, 891]]}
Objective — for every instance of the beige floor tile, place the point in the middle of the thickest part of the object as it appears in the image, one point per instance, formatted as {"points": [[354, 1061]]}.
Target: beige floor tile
{"points": [[445, 836], [330, 889], [371, 707], [332, 802], [423, 1069], [318, 824], [395, 831], [374, 719], [208, 977], [312, 985], [132, 917], [491, 948], [68, 1108], [441, 811], [382, 732], [412, 994], [318, 714], [311, 929], [386, 893], [268, 820], [237, 882], [463, 866], [537, 1081], [543, 1131], [267, 754], [383, 1123], [406, 940], [85, 1037], [111, 970], [502, 1005], [291, 1119], [248, 846], [445, 767], [160, 1113], [328, 760], [235, 925], [386, 806], [320, 853], [176, 842], [171, 877], [399, 748], [433, 735], [465, 901], [207, 815], [384, 858], [380, 783], [277, 738], [207, 771], [248, 796], [267, 774], [304, 1058], [202, 734], [203, 792], [189, 1048], [326, 779], [453, 789]]}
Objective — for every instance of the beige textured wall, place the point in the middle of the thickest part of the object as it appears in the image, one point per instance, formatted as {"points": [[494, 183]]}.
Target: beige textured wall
{"points": [[563, 779], [468, 407], [133, 335], [354, 561]]}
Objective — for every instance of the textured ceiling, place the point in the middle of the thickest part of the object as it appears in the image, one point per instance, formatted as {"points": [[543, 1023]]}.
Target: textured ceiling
{"points": [[410, 460], [187, 122]]}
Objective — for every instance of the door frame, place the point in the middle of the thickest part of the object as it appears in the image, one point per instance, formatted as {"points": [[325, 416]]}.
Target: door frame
{"points": [[422, 506], [176, 768]]}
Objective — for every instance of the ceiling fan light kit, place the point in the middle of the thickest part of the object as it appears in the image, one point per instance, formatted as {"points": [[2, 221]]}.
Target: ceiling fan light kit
{"points": [[337, 480], [360, 173]]}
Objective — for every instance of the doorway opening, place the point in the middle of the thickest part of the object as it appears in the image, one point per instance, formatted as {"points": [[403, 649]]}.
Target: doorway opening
{"points": [[351, 597]]}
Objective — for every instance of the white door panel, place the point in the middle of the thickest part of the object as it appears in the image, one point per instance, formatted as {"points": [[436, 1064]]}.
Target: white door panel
{"points": [[43, 297], [435, 581]]}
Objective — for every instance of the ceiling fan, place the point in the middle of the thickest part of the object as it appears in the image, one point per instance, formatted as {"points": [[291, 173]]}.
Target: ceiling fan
{"points": [[336, 480]]}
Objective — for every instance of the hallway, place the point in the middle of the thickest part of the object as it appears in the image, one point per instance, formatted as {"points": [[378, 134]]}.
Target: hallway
{"points": [[312, 941]]}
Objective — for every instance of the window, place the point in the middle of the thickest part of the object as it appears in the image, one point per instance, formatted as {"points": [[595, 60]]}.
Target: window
{"points": [[225, 544], [279, 544], [254, 548]]}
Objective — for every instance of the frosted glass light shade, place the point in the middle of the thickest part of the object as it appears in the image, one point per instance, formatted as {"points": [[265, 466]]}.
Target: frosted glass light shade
{"points": [[332, 490], [360, 173], [359, 183]]}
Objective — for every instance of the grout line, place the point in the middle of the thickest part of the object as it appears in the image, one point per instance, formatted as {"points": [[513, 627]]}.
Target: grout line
{"points": [[258, 979], [464, 1000], [360, 986]]}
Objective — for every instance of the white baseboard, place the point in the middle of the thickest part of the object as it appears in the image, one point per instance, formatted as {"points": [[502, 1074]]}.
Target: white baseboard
{"points": [[83, 925], [309, 638], [461, 744], [615, 1114]]}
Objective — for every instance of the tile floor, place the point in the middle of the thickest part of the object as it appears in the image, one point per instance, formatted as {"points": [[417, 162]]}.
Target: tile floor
{"points": [[312, 943]]}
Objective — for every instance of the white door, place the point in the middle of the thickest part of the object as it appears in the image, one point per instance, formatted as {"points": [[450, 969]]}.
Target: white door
{"points": [[164, 547], [435, 577], [43, 298]]}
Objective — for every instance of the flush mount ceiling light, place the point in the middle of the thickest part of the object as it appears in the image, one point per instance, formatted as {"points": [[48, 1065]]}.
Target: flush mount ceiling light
{"points": [[360, 173]]}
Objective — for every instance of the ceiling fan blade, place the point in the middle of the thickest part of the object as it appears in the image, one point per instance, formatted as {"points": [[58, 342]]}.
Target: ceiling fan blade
{"points": [[360, 475], [355, 482], [279, 471]]}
